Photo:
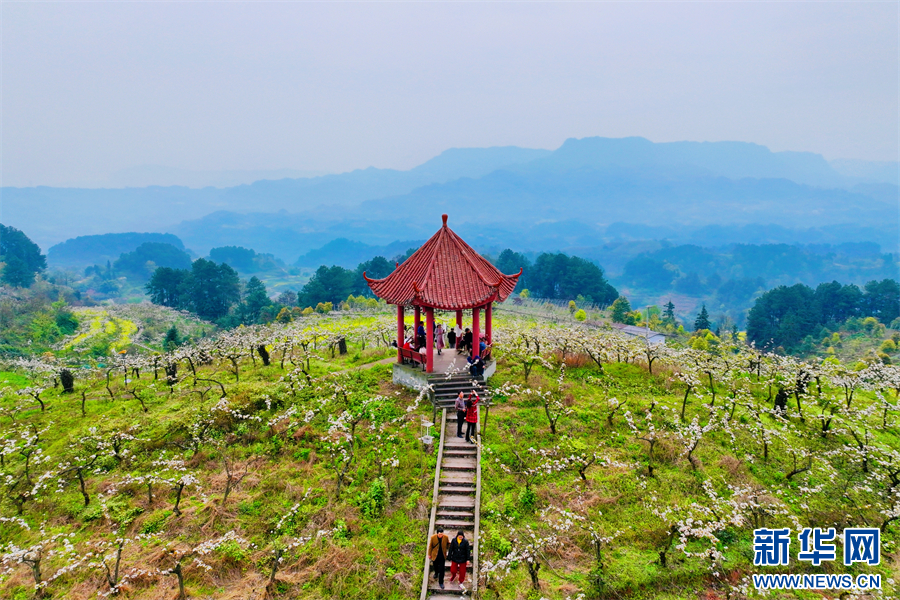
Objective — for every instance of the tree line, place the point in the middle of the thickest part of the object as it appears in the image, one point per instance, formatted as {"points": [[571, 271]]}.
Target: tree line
{"points": [[784, 316]]}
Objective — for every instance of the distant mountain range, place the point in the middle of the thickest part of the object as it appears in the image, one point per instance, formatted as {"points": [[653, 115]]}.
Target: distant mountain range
{"points": [[503, 196]]}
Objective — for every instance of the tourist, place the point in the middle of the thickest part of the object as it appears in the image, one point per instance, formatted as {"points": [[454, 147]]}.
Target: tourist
{"points": [[467, 341], [439, 337], [437, 552], [459, 557], [476, 366], [482, 346], [460, 414], [420, 335], [471, 416], [451, 338], [458, 335]]}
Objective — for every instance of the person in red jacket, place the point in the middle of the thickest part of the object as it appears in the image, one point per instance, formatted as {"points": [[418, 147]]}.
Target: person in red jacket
{"points": [[471, 416]]}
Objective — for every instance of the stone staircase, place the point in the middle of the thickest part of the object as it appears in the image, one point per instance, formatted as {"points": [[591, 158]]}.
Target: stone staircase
{"points": [[447, 389], [457, 504]]}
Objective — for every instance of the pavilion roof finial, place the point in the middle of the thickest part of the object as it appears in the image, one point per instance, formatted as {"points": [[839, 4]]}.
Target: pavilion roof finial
{"points": [[444, 218]]}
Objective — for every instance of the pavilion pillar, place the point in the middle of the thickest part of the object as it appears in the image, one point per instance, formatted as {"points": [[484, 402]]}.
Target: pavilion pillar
{"points": [[488, 313], [429, 339], [401, 332], [459, 319], [476, 350]]}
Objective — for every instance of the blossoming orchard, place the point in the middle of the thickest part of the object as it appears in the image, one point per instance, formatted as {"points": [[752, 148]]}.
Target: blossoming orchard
{"points": [[291, 461]]}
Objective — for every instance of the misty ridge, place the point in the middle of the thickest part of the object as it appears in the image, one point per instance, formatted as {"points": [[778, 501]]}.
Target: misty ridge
{"points": [[587, 193]]}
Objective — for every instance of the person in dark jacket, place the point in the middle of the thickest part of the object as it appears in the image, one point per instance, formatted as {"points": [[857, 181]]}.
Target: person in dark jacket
{"points": [[460, 414], [471, 416], [438, 547], [459, 557], [466, 345], [451, 338], [420, 335]]}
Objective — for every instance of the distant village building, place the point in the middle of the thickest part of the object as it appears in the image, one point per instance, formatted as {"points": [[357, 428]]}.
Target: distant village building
{"points": [[652, 337]]}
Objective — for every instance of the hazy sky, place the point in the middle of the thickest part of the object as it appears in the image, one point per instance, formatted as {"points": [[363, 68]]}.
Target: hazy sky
{"points": [[89, 89]]}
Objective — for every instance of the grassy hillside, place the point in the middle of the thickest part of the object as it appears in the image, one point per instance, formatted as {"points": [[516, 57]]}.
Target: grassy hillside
{"points": [[304, 478]]}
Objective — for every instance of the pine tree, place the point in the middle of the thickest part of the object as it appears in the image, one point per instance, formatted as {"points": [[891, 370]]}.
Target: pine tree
{"points": [[255, 299], [173, 339], [702, 321], [669, 313]]}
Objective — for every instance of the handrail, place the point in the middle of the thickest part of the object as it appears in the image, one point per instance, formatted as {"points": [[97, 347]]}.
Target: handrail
{"points": [[477, 514], [434, 503]]}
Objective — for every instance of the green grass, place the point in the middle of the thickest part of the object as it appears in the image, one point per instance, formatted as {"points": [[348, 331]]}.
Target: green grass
{"points": [[616, 499], [287, 466], [372, 537]]}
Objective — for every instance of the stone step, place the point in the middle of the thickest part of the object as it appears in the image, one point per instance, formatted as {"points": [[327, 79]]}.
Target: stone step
{"points": [[459, 464], [449, 402], [460, 453], [455, 501], [456, 514], [456, 492], [458, 386], [456, 443], [460, 445], [446, 390], [455, 489], [449, 588], [455, 376], [447, 575], [451, 439], [458, 479], [455, 526], [450, 405]]}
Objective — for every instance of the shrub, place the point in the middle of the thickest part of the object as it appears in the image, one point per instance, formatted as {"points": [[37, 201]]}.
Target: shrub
{"points": [[372, 502], [700, 343], [888, 346], [250, 508], [500, 544], [527, 499], [580, 315], [340, 531], [233, 551], [155, 522]]}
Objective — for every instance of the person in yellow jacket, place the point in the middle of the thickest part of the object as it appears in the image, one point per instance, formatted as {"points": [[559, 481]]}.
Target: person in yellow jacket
{"points": [[437, 553]]}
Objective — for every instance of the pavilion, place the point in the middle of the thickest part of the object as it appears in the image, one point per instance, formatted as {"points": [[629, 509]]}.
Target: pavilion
{"points": [[445, 274]]}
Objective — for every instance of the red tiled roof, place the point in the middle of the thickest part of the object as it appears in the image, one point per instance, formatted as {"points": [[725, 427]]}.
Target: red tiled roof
{"points": [[445, 273]]}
